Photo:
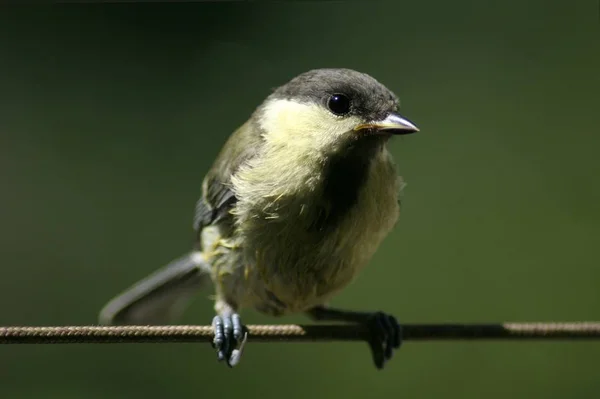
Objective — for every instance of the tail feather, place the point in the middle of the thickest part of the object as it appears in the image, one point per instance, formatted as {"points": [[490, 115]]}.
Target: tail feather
{"points": [[161, 297]]}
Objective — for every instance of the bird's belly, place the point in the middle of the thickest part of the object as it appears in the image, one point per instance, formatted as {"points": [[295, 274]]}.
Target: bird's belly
{"points": [[295, 267], [304, 276]]}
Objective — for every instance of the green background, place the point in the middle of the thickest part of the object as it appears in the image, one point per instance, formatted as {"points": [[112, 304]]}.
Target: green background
{"points": [[111, 114]]}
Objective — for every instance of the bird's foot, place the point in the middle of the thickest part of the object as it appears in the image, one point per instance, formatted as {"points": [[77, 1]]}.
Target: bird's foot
{"points": [[230, 338], [385, 336]]}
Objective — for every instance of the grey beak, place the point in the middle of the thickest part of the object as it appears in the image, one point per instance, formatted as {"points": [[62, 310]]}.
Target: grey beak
{"points": [[393, 123]]}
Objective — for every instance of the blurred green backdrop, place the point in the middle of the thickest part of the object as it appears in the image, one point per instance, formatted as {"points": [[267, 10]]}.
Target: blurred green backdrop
{"points": [[111, 114]]}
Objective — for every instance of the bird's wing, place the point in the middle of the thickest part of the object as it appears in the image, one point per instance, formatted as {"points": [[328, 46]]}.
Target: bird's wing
{"points": [[217, 196], [161, 297]]}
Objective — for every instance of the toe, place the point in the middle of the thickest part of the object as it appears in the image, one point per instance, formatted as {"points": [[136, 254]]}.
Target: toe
{"points": [[378, 329], [397, 332], [219, 339], [228, 343], [238, 329], [388, 341], [238, 340], [378, 353], [236, 354], [386, 335]]}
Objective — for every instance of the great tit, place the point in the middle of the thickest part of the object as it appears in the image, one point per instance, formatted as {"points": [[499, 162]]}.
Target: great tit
{"points": [[294, 206]]}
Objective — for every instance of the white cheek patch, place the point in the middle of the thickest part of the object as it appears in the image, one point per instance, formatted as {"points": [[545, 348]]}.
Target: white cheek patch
{"points": [[287, 121]]}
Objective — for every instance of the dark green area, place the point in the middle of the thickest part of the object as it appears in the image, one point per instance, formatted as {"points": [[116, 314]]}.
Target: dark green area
{"points": [[111, 114]]}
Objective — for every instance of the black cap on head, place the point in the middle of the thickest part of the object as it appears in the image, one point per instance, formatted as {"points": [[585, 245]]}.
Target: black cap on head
{"points": [[368, 98]]}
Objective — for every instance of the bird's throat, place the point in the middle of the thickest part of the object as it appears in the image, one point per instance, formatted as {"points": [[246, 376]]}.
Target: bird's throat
{"points": [[345, 173]]}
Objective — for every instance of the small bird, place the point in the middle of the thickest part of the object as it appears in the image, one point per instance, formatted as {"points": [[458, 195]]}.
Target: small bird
{"points": [[296, 203]]}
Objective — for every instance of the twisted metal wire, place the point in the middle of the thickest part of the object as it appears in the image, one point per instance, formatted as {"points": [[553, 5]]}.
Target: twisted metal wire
{"points": [[297, 333]]}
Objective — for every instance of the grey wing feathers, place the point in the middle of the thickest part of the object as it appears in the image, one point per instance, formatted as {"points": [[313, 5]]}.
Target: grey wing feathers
{"points": [[205, 213], [218, 197], [159, 298]]}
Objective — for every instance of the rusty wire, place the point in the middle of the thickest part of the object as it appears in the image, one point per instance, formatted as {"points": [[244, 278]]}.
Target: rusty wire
{"points": [[297, 333]]}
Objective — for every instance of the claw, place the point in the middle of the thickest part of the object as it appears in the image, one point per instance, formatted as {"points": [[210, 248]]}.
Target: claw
{"points": [[236, 355], [386, 335], [229, 338]]}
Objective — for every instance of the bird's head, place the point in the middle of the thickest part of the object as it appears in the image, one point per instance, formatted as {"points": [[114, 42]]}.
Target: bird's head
{"points": [[324, 108]]}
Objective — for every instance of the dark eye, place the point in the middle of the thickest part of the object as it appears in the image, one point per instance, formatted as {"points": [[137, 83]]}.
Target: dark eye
{"points": [[339, 104]]}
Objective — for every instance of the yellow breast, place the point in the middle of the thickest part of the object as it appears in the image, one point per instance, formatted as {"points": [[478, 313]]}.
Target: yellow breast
{"points": [[295, 267]]}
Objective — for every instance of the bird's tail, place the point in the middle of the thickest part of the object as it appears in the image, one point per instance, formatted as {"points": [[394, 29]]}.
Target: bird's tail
{"points": [[161, 297]]}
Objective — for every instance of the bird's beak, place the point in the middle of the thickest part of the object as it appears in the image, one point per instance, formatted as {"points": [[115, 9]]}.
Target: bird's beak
{"points": [[393, 124]]}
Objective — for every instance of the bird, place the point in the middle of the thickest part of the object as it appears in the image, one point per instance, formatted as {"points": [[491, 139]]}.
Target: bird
{"points": [[294, 206]]}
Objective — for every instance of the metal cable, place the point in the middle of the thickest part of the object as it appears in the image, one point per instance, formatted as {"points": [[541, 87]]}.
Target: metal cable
{"points": [[297, 333]]}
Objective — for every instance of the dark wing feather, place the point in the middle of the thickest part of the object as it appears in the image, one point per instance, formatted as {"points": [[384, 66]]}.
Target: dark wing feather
{"points": [[217, 197]]}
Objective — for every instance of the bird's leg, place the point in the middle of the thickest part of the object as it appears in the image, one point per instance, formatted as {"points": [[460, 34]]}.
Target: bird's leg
{"points": [[386, 332], [230, 334]]}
